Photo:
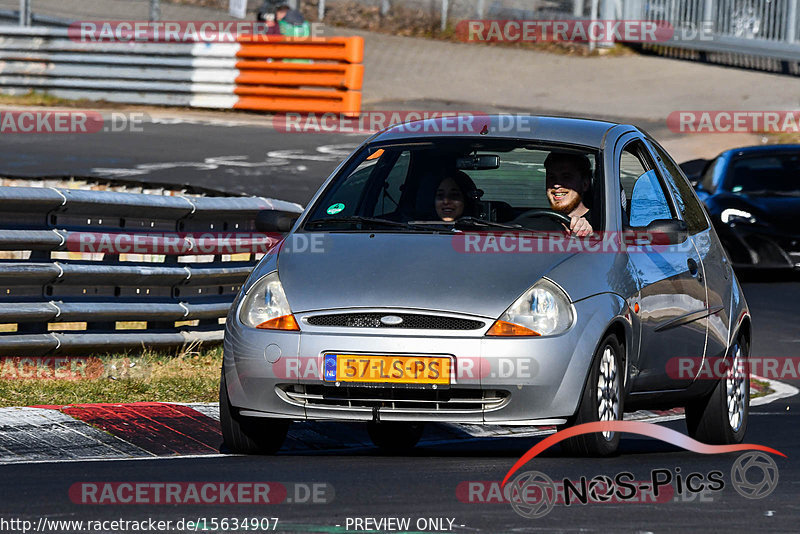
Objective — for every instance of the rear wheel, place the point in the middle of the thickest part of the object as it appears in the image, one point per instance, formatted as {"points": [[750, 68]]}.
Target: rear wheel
{"points": [[244, 435], [602, 400], [721, 418], [395, 436]]}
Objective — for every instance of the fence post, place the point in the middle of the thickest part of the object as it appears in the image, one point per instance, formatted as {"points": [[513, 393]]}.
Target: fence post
{"points": [[791, 21], [481, 9], [445, 6], [155, 10], [708, 11], [385, 7], [577, 8], [321, 10], [24, 12]]}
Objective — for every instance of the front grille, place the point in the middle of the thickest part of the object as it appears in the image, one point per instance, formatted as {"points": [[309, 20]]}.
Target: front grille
{"points": [[410, 320], [394, 399]]}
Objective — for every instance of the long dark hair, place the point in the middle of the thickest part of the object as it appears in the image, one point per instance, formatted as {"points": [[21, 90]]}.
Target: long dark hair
{"points": [[469, 191]]}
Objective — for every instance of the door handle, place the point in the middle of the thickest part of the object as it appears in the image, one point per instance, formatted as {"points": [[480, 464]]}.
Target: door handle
{"points": [[692, 266]]}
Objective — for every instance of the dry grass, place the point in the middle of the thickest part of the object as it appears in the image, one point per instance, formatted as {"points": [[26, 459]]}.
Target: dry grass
{"points": [[783, 138], [190, 375]]}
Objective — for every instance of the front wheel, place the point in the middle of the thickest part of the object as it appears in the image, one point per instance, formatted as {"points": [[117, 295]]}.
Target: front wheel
{"points": [[248, 435], [602, 400], [721, 418]]}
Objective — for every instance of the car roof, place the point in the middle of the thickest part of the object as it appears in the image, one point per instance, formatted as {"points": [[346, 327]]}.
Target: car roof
{"points": [[585, 132], [767, 149]]}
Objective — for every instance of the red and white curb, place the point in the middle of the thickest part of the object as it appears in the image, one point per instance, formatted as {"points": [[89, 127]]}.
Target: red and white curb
{"points": [[173, 430]]}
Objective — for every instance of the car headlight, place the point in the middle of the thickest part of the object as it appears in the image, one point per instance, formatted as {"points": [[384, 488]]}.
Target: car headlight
{"points": [[731, 215], [265, 306], [543, 310]]}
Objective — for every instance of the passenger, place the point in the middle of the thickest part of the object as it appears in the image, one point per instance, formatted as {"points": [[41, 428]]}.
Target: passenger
{"points": [[568, 179], [455, 197]]}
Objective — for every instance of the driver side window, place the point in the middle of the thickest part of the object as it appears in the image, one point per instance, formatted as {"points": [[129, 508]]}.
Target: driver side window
{"points": [[643, 196]]}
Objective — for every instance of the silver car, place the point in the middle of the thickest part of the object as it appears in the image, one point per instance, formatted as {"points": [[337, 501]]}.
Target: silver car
{"points": [[387, 303]]}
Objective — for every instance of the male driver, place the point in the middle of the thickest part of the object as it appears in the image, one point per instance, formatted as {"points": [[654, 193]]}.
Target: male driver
{"points": [[567, 180]]}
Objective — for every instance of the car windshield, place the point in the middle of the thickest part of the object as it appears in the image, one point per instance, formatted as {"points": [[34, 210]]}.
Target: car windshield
{"points": [[445, 184], [774, 174]]}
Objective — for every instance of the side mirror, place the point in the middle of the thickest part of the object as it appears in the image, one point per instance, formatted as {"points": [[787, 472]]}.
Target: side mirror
{"points": [[659, 232], [275, 221]]}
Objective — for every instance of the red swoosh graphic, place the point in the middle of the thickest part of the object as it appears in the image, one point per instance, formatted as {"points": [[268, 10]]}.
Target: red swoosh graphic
{"points": [[634, 427]]}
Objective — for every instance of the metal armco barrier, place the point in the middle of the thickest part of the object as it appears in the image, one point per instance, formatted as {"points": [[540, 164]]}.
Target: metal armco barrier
{"points": [[752, 33], [248, 74], [62, 291]]}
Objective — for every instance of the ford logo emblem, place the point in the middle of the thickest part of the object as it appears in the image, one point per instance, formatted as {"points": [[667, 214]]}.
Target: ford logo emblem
{"points": [[391, 320]]}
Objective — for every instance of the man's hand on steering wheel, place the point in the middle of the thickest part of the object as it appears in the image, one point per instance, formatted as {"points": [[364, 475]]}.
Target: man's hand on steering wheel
{"points": [[579, 227]]}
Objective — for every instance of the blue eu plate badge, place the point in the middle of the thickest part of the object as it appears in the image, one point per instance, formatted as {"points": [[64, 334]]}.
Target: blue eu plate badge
{"points": [[330, 368]]}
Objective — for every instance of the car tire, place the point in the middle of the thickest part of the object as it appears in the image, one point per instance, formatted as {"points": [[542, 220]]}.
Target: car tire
{"points": [[721, 417], [243, 435], [602, 394], [395, 437]]}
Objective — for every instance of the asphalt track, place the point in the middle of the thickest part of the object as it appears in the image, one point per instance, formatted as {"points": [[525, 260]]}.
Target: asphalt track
{"points": [[425, 484], [239, 154]]}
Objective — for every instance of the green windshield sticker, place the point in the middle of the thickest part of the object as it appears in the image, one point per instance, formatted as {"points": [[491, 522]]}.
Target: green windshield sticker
{"points": [[335, 208]]}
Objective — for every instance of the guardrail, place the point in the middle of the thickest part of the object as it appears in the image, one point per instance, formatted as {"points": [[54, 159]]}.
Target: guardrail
{"points": [[96, 270], [248, 74]]}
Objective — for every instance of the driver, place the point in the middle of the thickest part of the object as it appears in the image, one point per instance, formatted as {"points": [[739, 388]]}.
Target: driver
{"points": [[567, 180]]}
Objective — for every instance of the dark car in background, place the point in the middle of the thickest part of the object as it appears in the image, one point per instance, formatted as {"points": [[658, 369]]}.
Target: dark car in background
{"points": [[753, 197]]}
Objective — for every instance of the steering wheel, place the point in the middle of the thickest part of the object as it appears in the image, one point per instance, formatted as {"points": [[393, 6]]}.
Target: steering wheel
{"points": [[556, 216]]}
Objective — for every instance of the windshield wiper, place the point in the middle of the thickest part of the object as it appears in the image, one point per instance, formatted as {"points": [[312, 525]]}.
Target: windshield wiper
{"points": [[474, 222], [359, 219]]}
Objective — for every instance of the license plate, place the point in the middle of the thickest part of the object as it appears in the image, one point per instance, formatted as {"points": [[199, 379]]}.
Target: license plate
{"points": [[387, 369]]}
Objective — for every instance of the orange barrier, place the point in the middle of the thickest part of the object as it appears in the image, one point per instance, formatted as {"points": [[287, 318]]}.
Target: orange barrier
{"points": [[299, 74], [266, 83], [298, 100]]}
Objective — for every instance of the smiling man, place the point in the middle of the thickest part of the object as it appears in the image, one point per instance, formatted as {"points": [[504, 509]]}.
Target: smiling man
{"points": [[568, 179]]}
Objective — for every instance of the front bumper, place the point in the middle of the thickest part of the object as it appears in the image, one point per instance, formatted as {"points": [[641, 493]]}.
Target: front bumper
{"points": [[756, 246], [497, 380]]}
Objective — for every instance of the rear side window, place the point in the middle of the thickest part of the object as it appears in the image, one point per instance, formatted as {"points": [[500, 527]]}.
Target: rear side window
{"points": [[687, 203], [643, 199]]}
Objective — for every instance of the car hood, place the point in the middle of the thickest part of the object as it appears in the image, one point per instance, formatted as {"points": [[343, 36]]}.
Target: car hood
{"points": [[781, 212], [420, 271]]}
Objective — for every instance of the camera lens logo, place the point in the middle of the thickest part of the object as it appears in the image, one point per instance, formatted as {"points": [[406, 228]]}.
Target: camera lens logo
{"points": [[532, 494], [754, 475], [601, 488]]}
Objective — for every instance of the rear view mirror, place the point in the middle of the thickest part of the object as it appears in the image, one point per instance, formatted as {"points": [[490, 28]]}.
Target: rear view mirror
{"points": [[478, 163], [275, 221]]}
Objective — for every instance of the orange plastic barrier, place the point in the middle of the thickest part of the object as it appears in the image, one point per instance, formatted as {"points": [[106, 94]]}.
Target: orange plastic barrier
{"points": [[267, 83], [345, 49], [298, 100], [337, 75]]}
